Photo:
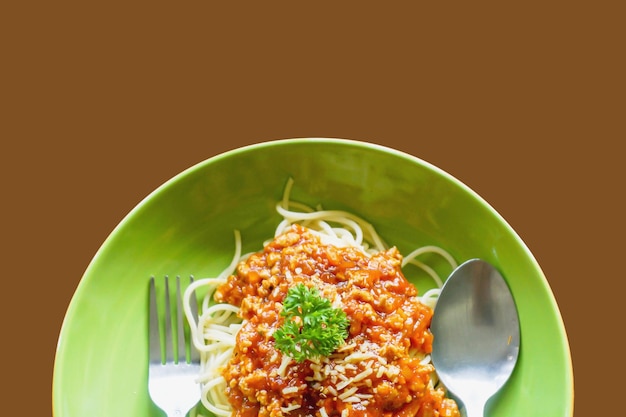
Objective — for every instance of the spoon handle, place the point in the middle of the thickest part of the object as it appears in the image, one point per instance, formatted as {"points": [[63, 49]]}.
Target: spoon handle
{"points": [[474, 408]]}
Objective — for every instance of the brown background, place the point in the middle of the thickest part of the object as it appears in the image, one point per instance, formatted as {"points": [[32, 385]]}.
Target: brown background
{"points": [[102, 104]]}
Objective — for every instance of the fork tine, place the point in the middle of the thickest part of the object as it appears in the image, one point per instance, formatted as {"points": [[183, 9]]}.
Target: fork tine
{"points": [[193, 303], [169, 349], [180, 329], [155, 334], [172, 347]]}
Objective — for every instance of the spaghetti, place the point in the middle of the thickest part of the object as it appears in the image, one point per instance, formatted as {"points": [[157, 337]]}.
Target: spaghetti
{"points": [[382, 369]]}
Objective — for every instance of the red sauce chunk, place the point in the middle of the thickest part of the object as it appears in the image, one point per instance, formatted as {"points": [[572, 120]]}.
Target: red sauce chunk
{"points": [[379, 369]]}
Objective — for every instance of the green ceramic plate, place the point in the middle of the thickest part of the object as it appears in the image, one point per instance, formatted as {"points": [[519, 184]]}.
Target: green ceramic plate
{"points": [[186, 226]]}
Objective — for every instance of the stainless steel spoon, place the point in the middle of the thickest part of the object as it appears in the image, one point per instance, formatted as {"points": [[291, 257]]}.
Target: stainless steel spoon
{"points": [[476, 334]]}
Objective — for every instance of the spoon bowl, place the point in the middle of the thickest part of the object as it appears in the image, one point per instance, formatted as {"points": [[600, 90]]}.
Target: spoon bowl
{"points": [[476, 334]]}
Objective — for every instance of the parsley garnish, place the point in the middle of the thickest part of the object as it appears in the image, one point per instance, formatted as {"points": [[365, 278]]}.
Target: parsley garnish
{"points": [[312, 327]]}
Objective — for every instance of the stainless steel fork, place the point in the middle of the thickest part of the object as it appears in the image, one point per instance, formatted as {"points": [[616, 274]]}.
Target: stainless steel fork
{"points": [[172, 370]]}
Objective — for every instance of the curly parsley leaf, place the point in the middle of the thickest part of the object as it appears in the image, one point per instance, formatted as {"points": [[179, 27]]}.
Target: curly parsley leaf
{"points": [[312, 327]]}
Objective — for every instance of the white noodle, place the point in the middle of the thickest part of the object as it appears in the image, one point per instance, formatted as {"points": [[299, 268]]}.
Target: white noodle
{"points": [[214, 335]]}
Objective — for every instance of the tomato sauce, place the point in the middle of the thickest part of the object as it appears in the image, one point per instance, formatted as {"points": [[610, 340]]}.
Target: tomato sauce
{"points": [[379, 371]]}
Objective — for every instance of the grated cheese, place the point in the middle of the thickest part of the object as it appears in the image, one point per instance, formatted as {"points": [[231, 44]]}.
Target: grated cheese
{"points": [[290, 407], [290, 390]]}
